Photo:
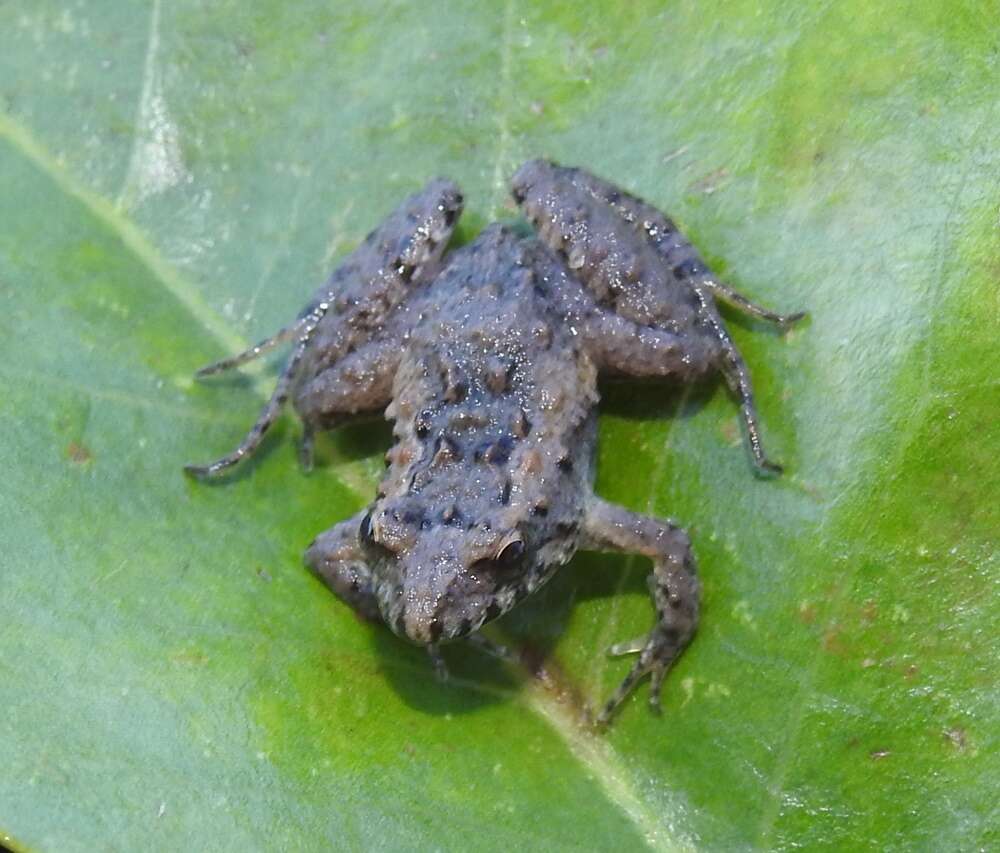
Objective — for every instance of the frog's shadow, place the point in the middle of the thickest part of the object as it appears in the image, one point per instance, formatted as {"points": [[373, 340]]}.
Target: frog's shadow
{"points": [[654, 400], [474, 679]]}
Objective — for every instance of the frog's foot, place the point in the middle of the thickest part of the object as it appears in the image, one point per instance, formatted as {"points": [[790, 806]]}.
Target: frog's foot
{"points": [[657, 652], [737, 375], [673, 586]]}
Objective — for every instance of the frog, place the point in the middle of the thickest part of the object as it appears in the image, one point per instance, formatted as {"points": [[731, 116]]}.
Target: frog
{"points": [[486, 360]]}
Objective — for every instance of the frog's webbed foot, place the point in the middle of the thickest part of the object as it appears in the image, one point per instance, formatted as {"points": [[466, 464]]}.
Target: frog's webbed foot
{"points": [[657, 651], [673, 586]]}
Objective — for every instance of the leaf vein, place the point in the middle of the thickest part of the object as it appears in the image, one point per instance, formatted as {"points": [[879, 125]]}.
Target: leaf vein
{"points": [[503, 108]]}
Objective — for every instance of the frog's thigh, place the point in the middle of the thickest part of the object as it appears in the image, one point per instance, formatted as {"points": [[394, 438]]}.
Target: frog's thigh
{"points": [[360, 383], [336, 557], [622, 346]]}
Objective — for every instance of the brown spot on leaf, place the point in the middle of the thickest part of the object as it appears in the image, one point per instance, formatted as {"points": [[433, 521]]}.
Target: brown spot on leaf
{"points": [[730, 432], [807, 612], [189, 657], [710, 182], [956, 736], [78, 453], [832, 641], [547, 672]]}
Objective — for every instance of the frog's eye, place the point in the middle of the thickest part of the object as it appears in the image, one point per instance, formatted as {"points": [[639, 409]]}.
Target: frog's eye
{"points": [[510, 555], [508, 558], [365, 530]]}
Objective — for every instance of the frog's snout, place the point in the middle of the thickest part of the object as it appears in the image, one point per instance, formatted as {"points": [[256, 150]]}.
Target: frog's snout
{"points": [[435, 607], [528, 176], [421, 629], [427, 619]]}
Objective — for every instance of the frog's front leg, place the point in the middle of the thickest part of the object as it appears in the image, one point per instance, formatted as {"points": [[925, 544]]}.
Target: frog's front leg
{"points": [[336, 556], [673, 585]]}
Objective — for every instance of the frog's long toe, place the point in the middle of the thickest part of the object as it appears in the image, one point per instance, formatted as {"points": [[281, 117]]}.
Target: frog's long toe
{"points": [[628, 647], [657, 653]]}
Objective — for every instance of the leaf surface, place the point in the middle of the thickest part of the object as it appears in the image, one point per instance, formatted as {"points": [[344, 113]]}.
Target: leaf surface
{"points": [[175, 182]]}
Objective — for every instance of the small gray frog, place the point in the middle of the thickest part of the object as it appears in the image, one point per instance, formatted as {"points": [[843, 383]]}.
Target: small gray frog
{"points": [[487, 361]]}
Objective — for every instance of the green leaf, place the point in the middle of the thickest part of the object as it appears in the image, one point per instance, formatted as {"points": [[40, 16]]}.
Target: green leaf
{"points": [[175, 181]]}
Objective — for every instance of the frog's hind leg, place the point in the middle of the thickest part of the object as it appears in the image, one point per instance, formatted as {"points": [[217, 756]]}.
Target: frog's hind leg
{"points": [[739, 301], [253, 352], [737, 375], [673, 586], [269, 414], [608, 239], [304, 328]]}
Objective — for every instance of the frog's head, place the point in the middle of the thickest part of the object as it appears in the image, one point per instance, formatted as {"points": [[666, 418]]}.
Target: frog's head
{"points": [[439, 577], [425, 222]]}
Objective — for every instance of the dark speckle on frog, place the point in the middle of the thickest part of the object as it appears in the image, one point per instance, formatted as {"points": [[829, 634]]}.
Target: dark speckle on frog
{"points": [[486, 360]]}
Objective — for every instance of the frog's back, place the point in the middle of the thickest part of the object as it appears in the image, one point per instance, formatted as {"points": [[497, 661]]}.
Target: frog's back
{"points": [[493, 402]]}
